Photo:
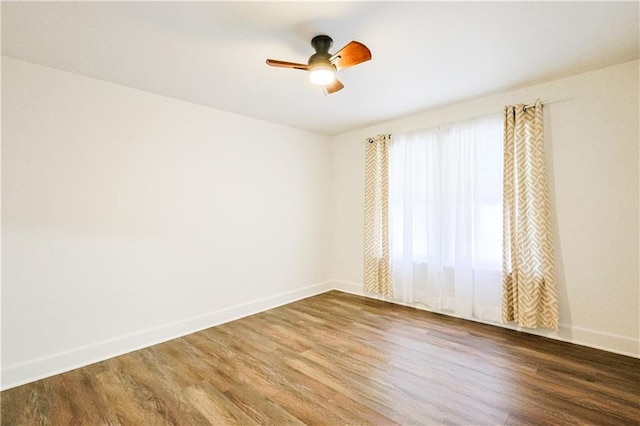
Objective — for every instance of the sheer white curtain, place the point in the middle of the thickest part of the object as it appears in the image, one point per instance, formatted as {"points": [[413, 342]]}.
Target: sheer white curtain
{"points": [[446, 217]]}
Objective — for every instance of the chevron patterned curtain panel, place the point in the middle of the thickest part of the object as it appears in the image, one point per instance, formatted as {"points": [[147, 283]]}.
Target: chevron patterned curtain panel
{"points": [[529, 280], [377, 263]]}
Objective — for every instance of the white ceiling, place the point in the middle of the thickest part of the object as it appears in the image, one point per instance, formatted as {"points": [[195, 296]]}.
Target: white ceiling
{"points": [[425, 54]]}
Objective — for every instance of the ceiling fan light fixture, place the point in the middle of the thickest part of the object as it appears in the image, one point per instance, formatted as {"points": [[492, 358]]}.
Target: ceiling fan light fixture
{"points": [[322, 74], [322, 66]]}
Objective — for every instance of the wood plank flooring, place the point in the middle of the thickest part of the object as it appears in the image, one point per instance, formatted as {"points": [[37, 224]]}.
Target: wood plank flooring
{"points": [[338, 359]]}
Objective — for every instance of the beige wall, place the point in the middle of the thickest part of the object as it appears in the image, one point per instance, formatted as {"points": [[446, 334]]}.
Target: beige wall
{"points": [[592, 133]]}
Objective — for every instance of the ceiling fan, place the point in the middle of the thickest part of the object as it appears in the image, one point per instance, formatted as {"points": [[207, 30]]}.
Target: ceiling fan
{"points": [[322, 65]]}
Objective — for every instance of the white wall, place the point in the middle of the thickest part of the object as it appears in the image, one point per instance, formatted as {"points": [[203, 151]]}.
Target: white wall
{"points": [[592, 136], [130, 218]]}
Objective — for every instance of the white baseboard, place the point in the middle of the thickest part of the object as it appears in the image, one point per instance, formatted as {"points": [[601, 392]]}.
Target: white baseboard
{"points": [[36, 369], [609, 342]]}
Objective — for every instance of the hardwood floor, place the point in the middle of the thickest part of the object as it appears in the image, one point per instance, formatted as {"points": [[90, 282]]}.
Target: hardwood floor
{"points": [[339, 359]]}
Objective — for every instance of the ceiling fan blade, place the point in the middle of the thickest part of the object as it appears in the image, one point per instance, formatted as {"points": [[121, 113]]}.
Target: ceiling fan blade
{"points": [[285, 64], [352, 54], [334, 87]]}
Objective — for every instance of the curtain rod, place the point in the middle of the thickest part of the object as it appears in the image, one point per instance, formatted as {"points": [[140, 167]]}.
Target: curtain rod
{"points": [[546, 102], [527, 106]]}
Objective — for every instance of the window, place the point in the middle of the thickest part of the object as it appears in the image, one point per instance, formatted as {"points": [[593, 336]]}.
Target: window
{"points": [[446, 217]]}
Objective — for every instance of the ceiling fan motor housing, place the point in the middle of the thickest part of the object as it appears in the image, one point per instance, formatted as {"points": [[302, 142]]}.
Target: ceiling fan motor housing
{"points": [[321, 44]]}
